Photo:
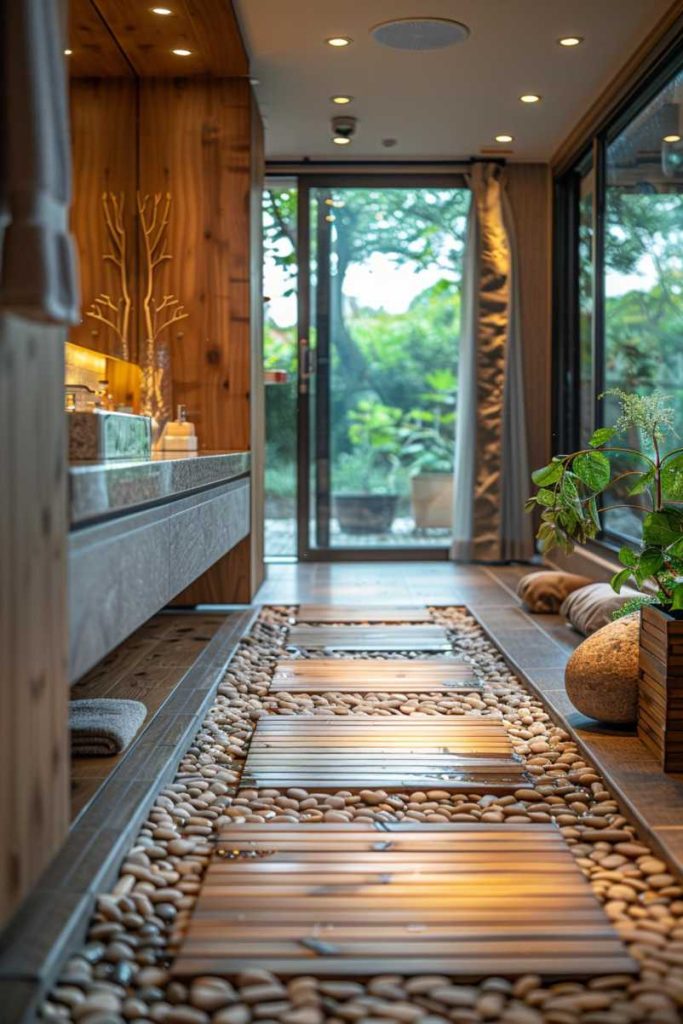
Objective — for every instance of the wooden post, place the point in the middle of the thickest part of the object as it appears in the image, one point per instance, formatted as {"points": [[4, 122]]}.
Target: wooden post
{"points": [[660, 690], [34, 738]]}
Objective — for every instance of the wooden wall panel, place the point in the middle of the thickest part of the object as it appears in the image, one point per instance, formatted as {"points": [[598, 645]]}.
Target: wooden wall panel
{"points": [[34, 783], [104, 157], [194, 143], [530, 193], [201, 142]]}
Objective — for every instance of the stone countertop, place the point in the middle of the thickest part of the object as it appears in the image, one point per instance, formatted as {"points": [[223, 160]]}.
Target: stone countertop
{"points": [[103, 489]]}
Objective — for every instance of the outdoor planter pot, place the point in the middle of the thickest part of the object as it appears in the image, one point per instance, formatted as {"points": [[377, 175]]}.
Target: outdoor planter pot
{"points": [[432, 500], [660, 690], [365, 513]]}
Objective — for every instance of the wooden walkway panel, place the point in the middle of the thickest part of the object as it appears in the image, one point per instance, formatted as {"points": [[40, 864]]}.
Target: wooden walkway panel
{"points": [[328, 752], [395, 675], [370, 638], [360, 613], [467, 900]]}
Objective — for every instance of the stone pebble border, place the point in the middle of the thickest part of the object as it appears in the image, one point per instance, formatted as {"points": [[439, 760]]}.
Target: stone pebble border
{"points": [[121, 973]]}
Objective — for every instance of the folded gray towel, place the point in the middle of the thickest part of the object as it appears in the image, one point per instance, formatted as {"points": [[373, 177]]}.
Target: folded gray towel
{"points": [[102, 727]]}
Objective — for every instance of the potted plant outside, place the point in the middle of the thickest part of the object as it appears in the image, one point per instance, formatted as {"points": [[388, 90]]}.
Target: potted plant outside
{"points": [[428, 448], [646, 477], [365, 495]]}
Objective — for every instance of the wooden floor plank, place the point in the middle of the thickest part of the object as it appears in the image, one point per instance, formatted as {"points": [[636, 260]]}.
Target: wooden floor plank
{"points": [[361, 752], [397, 675], [329, 613], [463, 900], [369, 638]]}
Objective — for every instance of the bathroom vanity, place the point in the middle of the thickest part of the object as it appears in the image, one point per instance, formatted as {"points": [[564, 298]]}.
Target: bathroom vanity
{"points": [[142, 530]]}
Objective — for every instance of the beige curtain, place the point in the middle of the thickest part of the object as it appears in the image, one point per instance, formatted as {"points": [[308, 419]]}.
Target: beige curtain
{"points": [[38, 277], [491, 461]]}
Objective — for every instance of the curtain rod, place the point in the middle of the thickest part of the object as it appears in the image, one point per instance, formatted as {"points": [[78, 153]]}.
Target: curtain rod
{"points": [[375, 167]]}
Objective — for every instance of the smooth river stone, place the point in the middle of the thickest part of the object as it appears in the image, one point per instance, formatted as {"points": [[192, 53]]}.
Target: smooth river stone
{"points": [[602, 674]]}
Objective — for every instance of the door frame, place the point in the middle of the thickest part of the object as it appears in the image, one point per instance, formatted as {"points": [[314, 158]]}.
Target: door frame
{"points": [[306, 371]]}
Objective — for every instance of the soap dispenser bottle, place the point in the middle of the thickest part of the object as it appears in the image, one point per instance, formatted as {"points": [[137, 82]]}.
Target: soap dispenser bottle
{"points": [[179, 435]]}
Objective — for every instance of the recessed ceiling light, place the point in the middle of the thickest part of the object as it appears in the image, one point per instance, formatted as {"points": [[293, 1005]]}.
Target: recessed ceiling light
{"points": [[341, 100], [530, 97], [570, 41], [162, 10], [341, 140], [182, 53], [672, 138], [503, 138], [339, 41], [67, 53]]}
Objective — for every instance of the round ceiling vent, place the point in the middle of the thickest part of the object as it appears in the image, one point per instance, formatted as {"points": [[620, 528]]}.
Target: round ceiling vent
{"points": [[420, 33]]}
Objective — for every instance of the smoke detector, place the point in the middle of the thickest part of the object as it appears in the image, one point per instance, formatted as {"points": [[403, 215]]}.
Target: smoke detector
{"points": [[420, 33]]}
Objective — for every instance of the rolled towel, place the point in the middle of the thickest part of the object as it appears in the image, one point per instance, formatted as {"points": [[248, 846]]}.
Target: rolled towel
{"points": [[102, 727]]}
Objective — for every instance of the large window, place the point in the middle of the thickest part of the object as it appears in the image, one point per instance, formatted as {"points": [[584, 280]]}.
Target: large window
{"points": [[624, 270]]}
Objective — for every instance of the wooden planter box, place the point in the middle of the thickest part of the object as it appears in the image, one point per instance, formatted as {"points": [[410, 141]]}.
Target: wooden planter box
{"points": [[660, 691]]}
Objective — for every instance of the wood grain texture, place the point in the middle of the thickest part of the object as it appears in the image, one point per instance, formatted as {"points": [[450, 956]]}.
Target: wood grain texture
{"points": [[146, 667], [34, 787], [530, 193], [367, 752], [145, 41], [464, 900], [360, 613], [201, 141], [95, 51], [369, 638], [104, 158], [337, 675], [194, 143]]}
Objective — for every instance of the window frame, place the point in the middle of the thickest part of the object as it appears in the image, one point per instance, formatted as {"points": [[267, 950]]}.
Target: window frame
{"points": [[566, 377]]}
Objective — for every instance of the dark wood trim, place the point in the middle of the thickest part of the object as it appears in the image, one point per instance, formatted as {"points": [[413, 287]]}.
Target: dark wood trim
{"points": [[652, 53]]}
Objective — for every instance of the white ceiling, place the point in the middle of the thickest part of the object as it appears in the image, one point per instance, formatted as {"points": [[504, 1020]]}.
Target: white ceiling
{"points": [[442, 104]]}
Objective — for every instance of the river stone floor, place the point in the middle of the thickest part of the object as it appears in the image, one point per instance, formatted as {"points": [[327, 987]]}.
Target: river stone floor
{"points": [[121, 974]]}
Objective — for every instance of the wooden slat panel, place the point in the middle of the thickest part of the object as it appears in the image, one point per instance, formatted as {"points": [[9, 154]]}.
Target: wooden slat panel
{"points": [[360, 613], [369, 638], [465, 900], [327, 752], [404, 675]]}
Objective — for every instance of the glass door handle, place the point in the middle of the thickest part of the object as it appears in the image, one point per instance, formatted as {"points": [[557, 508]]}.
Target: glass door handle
{"points": [[306, 365]]}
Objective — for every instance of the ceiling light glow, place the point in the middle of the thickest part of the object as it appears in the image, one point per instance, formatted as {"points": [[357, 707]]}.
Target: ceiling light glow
{"points": [[530, 97], [503, 138], [180, 52], [67, 53], [341, 140], [162, 10], [338, 41], [671, 138], [341, 100], [570, 41]]}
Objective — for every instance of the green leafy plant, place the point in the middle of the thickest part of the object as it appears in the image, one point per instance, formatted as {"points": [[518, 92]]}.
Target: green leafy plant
{"points": [[571, 486], [428, 433], [371, 465]]}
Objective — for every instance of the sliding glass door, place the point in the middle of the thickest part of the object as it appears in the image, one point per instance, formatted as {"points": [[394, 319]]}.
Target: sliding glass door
{"points": [[379, 308]]}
